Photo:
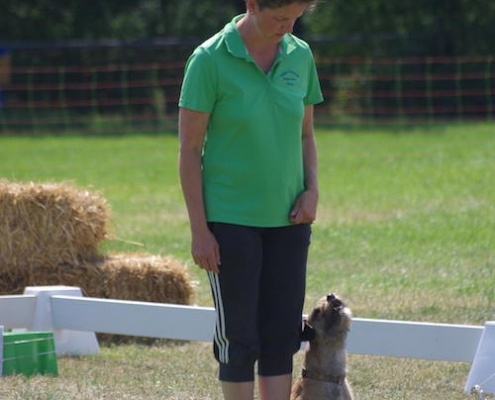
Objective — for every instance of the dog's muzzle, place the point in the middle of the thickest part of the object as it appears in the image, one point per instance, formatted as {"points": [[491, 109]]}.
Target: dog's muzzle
{"points": [[335, 302]]}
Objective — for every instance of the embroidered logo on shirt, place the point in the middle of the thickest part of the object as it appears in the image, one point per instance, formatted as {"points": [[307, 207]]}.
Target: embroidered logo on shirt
{"points": [[290, 77]]}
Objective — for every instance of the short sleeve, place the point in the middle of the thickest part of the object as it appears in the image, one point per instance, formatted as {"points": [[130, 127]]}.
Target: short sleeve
{"points": [[199, 86], [313, 94]]}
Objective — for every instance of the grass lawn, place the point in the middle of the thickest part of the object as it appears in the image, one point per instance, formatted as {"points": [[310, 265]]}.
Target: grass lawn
{"points": [[406, 230]]}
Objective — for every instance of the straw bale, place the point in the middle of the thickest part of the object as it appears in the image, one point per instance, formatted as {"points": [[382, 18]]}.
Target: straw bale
{"points": [[125, 276], [141, 277], [13, 283], [49, 224], [82, 276]]}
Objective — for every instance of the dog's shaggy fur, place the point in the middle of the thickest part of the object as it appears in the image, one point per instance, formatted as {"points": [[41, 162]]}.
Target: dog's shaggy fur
{"points": [[324, 371]]}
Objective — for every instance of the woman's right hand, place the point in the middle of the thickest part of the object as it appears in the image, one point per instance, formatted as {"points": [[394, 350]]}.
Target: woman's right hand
{"points": [[192, 130], [205, 251]]}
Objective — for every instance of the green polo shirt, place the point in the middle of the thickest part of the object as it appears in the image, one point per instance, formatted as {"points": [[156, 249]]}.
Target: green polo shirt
{"points": [[252, 160]]}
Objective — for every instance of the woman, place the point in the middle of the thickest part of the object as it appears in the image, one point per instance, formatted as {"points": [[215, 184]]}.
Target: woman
{"points": [[248, 172]]}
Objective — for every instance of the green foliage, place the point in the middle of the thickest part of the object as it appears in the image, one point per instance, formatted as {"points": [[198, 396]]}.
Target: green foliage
{"points": [[431, 28], [58, 19], [121, 19], [384, 28]]}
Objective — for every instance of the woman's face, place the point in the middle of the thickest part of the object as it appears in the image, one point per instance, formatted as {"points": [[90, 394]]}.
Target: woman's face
{"points": [[273, 23]]}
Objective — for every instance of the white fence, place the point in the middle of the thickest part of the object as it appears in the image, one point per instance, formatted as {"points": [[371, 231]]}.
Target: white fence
{"points": [[74, 319]]}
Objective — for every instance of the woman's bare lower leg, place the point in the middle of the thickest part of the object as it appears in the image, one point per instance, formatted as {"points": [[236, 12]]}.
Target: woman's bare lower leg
{"points": [[238, 390], [275, 387]]}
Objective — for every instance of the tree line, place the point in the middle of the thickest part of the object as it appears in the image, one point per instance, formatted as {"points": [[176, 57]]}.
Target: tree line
{"points": [[371, 28]]}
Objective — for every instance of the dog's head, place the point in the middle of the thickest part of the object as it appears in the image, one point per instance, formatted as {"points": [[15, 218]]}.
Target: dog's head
{"points": [[329, 318]]}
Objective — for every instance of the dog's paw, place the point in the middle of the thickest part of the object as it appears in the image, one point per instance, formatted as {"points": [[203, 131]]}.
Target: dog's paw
{"points": [[308, 333]]}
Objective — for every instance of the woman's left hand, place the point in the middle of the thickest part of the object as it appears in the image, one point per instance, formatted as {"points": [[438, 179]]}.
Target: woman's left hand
{"points": [[304, 209]]}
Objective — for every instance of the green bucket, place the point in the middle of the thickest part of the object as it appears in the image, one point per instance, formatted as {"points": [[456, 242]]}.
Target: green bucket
{"points": [[29, 353]]}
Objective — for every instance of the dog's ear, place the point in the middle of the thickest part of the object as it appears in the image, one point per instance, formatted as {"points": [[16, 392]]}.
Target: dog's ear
{"points": [[308, 333]]}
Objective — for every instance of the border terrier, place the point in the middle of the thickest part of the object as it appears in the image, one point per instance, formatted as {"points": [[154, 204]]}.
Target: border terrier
{"points": [[324, 371]]}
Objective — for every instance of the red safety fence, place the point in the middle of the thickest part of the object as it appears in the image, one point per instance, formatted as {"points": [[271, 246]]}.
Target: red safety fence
{"points": [[130, 97], [414, 90], [112, 98]]}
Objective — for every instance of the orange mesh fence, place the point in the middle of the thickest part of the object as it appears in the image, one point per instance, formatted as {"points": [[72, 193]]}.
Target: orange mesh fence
{"points": [[408, 90], [130, 97], [101, 98]]}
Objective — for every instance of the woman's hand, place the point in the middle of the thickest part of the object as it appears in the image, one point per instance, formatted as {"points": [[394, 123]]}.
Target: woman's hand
{"points": [[192, 129], [304, 208], [205, 251]]}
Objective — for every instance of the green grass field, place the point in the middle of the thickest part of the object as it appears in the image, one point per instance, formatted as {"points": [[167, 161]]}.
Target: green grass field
{"points": [[406, 230]]}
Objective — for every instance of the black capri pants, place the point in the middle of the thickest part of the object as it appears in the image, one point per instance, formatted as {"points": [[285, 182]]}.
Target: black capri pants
{"points": [[259, 297]]}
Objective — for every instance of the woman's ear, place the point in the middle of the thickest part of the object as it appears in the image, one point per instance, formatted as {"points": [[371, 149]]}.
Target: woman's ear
{"points": [[251, 6]]}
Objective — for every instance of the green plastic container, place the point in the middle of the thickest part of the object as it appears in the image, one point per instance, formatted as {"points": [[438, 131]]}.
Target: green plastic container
{"points": [[29, 353]]}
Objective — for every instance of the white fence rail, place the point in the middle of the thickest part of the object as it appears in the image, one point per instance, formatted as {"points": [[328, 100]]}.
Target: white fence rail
{"points": [[74, 318], [50, 308], [374, 337], [17, 311], [133, 318]]}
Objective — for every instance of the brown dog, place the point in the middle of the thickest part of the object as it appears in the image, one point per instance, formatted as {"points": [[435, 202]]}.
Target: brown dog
{"points": [[323, 376]]}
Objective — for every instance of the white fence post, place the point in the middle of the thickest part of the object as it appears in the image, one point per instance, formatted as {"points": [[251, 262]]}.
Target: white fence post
{"points": [[67, 342], [482, 371]]}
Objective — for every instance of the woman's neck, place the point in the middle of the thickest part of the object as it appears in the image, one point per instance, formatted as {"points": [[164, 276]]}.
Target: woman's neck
{"points": [[253, 38]]}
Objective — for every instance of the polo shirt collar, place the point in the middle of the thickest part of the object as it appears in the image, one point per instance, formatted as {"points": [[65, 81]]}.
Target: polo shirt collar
{"points": [[236, 45]]}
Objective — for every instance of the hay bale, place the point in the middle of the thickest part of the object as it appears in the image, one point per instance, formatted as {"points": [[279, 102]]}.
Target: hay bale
{"points": [[125, 276], [13, 283], [50, 224], [141, 277], [82, 275]]}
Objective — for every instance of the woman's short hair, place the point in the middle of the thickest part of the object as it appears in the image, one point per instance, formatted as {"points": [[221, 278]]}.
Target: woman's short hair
{"points": [[281, 3]]}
